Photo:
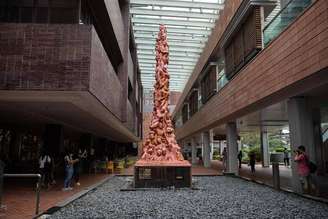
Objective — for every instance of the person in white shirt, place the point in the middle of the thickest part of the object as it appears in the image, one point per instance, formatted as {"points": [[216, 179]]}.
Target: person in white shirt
{"points": [[45, 168]]}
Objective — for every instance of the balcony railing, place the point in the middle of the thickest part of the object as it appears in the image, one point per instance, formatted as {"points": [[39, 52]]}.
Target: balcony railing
{"points": [[284, 18], [222, 80]]}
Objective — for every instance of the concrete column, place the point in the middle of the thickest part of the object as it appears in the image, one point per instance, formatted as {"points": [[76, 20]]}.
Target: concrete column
{"points": [[193, 151], [54, 139], [301, 133], [211, 135], [265, 149], [232, 148], [206, 149]]}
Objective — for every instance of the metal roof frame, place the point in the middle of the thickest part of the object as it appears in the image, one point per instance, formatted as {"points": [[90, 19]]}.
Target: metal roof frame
{"points": [[188, 22], [172, 30], [174, 3]]}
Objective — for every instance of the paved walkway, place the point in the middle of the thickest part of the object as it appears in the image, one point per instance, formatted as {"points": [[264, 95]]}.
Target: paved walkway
{"points": [[263, 174], [20, 201]]}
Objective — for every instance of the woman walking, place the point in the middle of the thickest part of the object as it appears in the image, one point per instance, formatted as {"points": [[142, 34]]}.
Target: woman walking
{"points": [[69, 170]]}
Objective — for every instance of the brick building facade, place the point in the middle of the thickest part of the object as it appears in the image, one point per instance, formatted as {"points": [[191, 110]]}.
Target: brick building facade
{"points": [[70, 65]]}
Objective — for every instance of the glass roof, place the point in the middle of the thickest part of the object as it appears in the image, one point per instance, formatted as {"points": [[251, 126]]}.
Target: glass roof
{"points": [[188, 22]]}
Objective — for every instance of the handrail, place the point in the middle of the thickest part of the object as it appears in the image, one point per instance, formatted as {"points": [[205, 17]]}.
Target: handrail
{"points": [[274, 18], [276, 26], [29, 175], [324, 133]]}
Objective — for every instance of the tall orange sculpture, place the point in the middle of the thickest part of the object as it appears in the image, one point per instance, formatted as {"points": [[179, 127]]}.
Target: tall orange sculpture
{"points": [[161, 144], [161, 163]]}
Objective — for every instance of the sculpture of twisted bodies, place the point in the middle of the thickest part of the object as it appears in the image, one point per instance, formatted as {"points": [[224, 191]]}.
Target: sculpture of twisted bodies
{"points": [[161, 144]]}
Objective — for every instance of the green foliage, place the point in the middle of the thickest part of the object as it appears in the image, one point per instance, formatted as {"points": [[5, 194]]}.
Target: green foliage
{"points": [[216, 155], [257, 152], [279, 149], [252, 143], [251, 139], [276, 144]]}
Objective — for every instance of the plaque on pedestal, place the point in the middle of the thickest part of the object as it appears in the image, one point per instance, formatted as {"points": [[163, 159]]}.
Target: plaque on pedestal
{"points": [[162, 174]]}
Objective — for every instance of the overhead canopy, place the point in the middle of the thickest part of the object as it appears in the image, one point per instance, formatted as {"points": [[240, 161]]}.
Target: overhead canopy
{"points": [[188, 22]]}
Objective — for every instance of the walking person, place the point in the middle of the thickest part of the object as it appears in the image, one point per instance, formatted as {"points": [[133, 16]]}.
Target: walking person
{"points": [[224, 159], [240, 157], [92, 158], [69, 170], [52, 171], [286, 157], [304, 169], [252, 161], [80, 156], [45, 168]]}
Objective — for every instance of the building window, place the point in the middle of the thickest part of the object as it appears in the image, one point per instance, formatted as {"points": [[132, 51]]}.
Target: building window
{"points": [[244, 44], [193, 103], [208, 84], [85, 14], [185, 113], [130, 91], [43, 11]]}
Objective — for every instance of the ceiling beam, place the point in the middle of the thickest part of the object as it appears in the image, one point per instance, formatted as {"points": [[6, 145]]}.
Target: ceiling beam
{"points": [[171, 71], [175, 48], [172, 13], [174, 3], [177, 58], [171, 75], [176, 80], [170, 62], [172, 30], [172, 85], [175, 22], [175, 44], [151, 67], [182, 37], [174, 53]]}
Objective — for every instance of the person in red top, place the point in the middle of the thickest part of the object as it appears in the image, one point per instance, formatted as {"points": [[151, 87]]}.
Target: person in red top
{"points": [[303, 169]]}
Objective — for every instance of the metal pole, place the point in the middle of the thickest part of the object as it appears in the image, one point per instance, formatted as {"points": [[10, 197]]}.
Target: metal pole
{"points": [[276, 177], [1, 182], [38, 184]]}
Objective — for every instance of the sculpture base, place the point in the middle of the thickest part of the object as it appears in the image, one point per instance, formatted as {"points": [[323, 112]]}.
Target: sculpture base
{"points": [[154, 174]]}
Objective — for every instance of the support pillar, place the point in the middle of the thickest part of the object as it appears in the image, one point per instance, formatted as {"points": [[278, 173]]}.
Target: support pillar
{"points": [[301, 133], [193, 151], [265, 149], [211, 135], [54, 139], [206, 149], [232, 148]]}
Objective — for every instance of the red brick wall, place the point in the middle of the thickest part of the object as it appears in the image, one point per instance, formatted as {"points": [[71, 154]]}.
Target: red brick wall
{"points": [[174, 97], [44, 57], [226, 15], [104, 83], [274, 75]]}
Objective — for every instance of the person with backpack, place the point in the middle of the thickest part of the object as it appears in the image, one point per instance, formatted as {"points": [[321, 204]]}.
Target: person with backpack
{"points": [[45, 168], [304, 168]]}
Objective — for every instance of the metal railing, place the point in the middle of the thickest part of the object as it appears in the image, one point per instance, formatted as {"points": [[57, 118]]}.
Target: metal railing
{"points": [[283, 18], [37, 189]]}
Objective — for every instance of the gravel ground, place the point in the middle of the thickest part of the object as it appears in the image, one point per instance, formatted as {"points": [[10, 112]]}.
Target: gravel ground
{"points": [[217, 197]]}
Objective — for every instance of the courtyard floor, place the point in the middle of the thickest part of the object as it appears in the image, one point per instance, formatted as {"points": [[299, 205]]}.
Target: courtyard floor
{"points": [[216, 197], [20, 200]]}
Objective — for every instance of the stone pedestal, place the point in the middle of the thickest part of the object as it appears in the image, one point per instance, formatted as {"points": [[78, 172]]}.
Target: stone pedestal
{"points": [[152, 174]]}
